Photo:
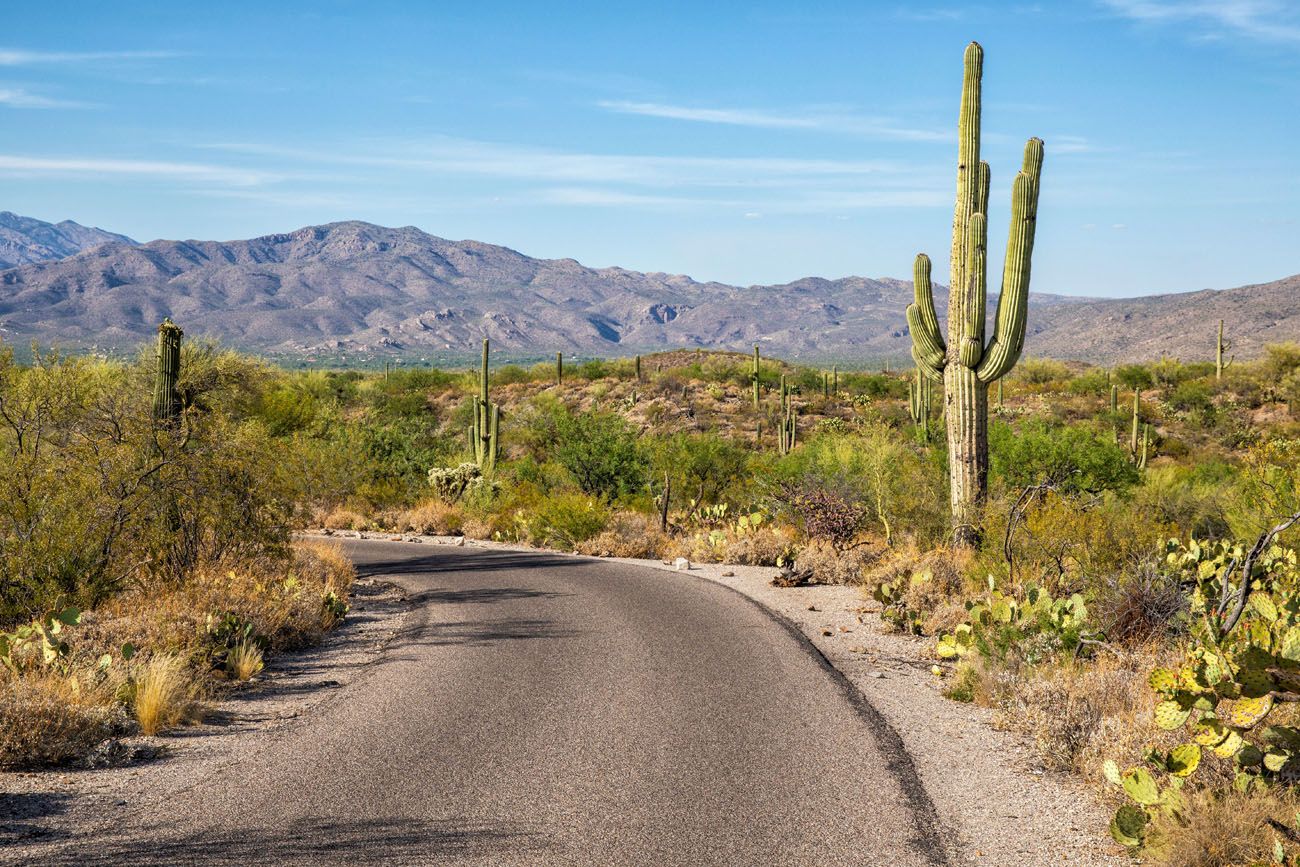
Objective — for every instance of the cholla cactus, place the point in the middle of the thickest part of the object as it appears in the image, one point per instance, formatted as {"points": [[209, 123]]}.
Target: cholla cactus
{"points": [[166, 400], [967, 363]]}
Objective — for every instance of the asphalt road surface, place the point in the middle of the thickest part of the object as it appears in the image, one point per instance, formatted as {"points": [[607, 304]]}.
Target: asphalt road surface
{"points": [[538, 709]]}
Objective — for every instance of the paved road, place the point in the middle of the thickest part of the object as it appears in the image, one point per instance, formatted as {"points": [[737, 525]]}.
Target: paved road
{"points": [[548, 710]]}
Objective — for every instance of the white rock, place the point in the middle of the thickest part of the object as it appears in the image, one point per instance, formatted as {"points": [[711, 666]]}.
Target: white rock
{"points": [[460, 542], [681, 563]]}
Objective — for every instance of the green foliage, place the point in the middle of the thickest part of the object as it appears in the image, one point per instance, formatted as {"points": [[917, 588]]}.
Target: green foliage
{"points": [[564, 519], [602, 453], [1134, 376], [451, 484], [1073, 458], [705, 466], [1041, 371]]}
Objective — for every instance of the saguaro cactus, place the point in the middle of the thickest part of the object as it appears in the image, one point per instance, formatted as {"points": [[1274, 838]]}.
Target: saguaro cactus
{"points": [[166, 400], [487, 421], [1220, 348], [1133, 436], [638, 368], [559, 368], [755, 374], [965, 362], [920, 391]]}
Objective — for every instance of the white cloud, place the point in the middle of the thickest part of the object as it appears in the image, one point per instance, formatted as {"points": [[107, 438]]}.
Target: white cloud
{"points": [[13, 164], [17, 97], [1265, 20], [19, 57], [450, 156], [850, 124]]}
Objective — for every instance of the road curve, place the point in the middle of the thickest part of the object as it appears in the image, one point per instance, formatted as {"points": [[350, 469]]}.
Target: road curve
{"points": [[539, 709]]}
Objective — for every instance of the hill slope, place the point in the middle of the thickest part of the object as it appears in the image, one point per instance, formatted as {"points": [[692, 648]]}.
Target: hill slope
{"points": [[358, 288], [24, 240]]}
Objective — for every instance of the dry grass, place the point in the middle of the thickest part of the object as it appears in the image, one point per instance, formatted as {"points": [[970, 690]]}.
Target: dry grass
{"points": [[627, 535], [830, 566], [49, 719], [431, 518], [761, 547], [1221, 830], [244, 660], [161, 698], [345, 519]]}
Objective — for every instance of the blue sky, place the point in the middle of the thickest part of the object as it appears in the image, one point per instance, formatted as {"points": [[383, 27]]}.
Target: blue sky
{"points": [[748, 143]]}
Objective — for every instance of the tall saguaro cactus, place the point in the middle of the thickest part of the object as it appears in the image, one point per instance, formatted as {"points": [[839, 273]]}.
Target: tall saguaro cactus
{"points": [[1221, 347], [487, 421], [755, 374], [559, 368], [166, 400], [966, 363]]}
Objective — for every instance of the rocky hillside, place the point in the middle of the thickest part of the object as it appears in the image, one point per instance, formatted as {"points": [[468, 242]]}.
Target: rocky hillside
{"points": [[359, 288], [24, 240]]}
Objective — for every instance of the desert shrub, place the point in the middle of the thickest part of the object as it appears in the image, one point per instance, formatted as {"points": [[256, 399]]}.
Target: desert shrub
{"points": [[1094, 382], [706, 467], [345, 519], [627, 534], [827, 564], [48, 719], [1072, 458], [285, 409], [1191, 500], [602, 453], [1040, 371], [563, 520], [766, 546], [1134, 376], [432, 518], [1280, 359], [826, 515]]}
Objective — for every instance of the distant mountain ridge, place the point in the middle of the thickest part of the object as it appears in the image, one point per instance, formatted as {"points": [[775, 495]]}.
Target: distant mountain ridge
{"points": [[359, 288], [24, 240]]}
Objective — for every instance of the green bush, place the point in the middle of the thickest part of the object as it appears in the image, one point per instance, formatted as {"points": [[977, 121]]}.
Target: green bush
{"points": [[565, 519], [602, 452], [707, 466], [1073, 458]]}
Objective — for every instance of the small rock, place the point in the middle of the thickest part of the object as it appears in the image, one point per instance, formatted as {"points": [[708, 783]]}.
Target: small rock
{"points": [[826, 632], [395, 539], [728, 574], [460, 542], [682, 563], [812, 607], [878, 675], [326, 532], [667, 562]]}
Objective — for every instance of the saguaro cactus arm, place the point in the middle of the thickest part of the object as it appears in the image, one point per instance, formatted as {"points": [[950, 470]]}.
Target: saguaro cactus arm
{"points": [[1013, 303], [928, 349]]}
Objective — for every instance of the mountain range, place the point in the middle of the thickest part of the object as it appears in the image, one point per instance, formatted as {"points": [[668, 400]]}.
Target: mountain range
{"points": [[355, 288], [24, 240]]}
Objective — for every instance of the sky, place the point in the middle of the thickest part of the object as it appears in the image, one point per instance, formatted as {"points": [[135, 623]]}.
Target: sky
{"points": [[750, 143]]}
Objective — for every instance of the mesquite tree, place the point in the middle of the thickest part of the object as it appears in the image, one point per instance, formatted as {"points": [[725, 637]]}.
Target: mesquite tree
{"points": [[965, 362]]}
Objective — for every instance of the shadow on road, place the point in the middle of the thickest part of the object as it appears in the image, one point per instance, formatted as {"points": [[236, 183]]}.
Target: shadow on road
{"points": [[378, 841], [476, 561]]}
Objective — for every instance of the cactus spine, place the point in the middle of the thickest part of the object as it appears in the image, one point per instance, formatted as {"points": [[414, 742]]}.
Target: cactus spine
{"points": [[754, 375], [166, 400], [965, 362], [1221, 347], [487, 421]]}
